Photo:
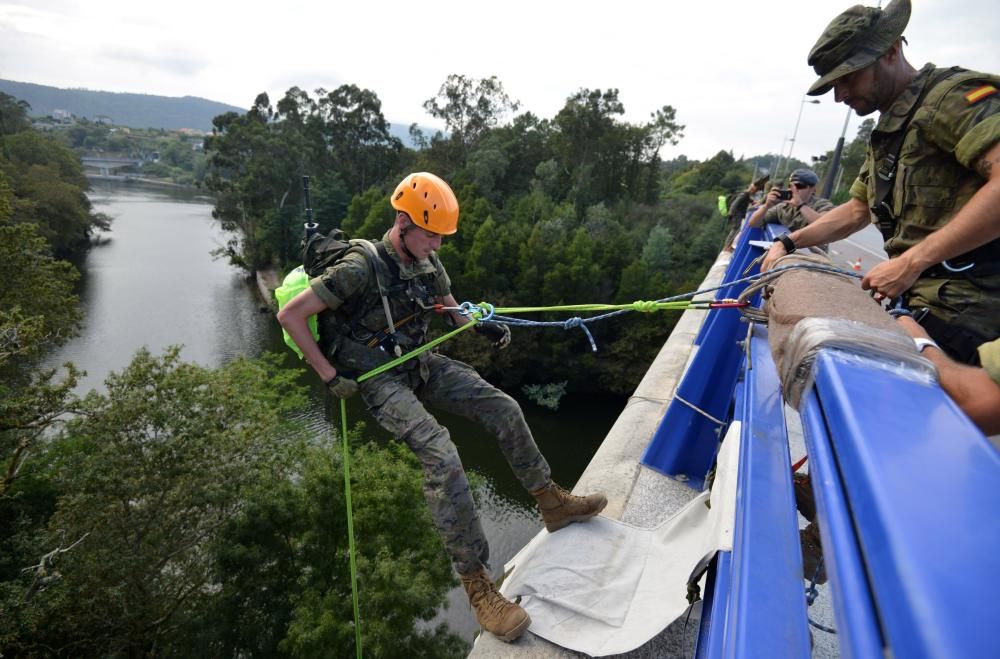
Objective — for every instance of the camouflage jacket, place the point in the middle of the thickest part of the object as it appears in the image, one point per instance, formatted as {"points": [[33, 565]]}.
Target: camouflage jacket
{"points": [[355, 319], [958, 121], [791, 217]]}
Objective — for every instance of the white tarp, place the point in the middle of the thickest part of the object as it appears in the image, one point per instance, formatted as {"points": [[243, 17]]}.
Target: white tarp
{"points": [[607, 587]]}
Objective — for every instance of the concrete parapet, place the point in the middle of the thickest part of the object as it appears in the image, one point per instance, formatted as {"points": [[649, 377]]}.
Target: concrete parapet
{"points": [[635, 494]]}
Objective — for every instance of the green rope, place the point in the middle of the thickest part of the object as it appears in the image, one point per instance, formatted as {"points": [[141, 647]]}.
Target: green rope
{"points": [[378, 370], [347, 467], [639, 305], [350, 527]]}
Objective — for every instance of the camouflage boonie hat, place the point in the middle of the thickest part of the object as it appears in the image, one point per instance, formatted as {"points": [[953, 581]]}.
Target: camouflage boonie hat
{"points": [[855, 39]]}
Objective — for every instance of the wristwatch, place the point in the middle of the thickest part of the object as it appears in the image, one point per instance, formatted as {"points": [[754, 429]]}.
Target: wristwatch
{"points": [[786, 240], [922, 343]]}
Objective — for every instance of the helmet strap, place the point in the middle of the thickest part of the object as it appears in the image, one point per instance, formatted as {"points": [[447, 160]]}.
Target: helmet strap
{"points": [[402, 240]]}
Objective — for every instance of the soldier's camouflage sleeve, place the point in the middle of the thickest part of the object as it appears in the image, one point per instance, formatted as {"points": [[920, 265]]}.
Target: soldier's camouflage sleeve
{"points": [[346, 278], [821, 205], [773, 214], [989, 357], [966, 120], [859, 189]]}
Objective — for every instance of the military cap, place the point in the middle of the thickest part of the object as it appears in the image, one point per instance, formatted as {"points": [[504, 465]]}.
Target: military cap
{"points": [[854, 40], [804, 176]]}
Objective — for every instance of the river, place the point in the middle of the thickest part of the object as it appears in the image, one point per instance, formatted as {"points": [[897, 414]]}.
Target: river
{"points": [[155, 284]]}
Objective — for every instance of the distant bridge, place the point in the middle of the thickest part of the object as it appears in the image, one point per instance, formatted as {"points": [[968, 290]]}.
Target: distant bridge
{"points": [[106, 166]]}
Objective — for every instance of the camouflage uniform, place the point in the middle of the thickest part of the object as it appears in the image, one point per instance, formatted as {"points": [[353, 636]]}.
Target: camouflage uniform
{"points": [[935, 178], [396, 399], [791, 217], [737, 213]]}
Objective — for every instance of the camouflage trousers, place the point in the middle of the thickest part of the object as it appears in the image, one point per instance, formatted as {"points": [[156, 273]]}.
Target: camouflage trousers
{"points": [[396, 399]]}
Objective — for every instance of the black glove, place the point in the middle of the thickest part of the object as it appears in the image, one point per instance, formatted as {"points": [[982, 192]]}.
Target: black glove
{"points": [[498, 333], [342, 387]]}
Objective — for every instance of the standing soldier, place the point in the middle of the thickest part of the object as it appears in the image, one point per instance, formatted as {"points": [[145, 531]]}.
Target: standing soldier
{"points": [[930, 181], [353, 322]]}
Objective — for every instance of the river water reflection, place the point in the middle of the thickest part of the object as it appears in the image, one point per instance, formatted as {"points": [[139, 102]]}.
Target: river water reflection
{"points": [[156, 285]]}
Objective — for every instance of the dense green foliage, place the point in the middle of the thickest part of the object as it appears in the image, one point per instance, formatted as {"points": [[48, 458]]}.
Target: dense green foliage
{"points": [[46, 182], [180, 514]]}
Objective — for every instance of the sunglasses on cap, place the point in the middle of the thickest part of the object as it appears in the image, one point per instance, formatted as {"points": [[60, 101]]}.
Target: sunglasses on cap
{"points": [[800, 186]]}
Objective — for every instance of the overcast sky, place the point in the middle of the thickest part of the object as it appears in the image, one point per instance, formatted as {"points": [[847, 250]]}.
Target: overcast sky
{"points": [[735, 71]]}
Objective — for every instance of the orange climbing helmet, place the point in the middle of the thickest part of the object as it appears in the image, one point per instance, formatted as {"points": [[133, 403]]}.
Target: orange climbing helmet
{"points": [[429, 202]]}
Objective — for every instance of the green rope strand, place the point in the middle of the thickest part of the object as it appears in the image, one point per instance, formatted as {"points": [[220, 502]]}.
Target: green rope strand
{"points": [[350, 527], [347, 467], [378, 370], [640, 305]]}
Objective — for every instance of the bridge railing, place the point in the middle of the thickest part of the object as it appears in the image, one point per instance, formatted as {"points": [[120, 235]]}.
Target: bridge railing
{"points": [[905, 486]]}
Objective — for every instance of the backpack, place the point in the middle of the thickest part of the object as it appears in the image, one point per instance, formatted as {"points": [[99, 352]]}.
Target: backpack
{"points": [[320, 252]]}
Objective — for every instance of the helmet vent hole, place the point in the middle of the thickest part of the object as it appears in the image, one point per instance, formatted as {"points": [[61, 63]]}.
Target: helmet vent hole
{"points": [[414, 185], [435, 206], [427, 218], [425, 195]]}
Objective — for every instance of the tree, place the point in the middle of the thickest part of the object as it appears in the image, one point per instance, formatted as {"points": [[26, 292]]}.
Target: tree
{"points": [[252, 173], [657, 252], [469, 107], [257, 161], [49, 190], [357, 135], [37, 311], [149, 473], [403, 575], [13, 115]]}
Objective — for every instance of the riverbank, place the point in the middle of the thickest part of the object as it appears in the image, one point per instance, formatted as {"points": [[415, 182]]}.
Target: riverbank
{"points": [[267, 281], [139, 179]]}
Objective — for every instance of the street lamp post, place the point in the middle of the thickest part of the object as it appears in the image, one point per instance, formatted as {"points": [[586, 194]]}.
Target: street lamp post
{"points": [[795, 132], [834, 169], [781, 158]]}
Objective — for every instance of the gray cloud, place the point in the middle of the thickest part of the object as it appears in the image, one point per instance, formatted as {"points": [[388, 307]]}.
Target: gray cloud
{"points": [[177, 63]]}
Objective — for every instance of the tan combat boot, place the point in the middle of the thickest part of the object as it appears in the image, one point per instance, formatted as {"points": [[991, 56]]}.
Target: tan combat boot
{"points": [[495, 613], [560, 508]]}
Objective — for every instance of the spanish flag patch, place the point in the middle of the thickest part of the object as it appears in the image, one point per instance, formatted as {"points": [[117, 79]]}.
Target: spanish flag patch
{"points": [[980, 93]]}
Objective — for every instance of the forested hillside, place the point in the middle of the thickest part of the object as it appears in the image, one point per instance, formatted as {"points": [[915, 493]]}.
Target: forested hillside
{"points": [[122, 109]]}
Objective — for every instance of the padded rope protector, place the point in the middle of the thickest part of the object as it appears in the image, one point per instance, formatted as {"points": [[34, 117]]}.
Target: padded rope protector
{"points": [[880, 348], [809, 310]]}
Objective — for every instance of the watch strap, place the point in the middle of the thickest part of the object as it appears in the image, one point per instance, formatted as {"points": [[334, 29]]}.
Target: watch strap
{"points": [[786, 240]]}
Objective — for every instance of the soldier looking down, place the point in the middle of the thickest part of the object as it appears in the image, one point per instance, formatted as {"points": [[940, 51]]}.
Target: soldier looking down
{"points": [[930, 181], [352, 311]]}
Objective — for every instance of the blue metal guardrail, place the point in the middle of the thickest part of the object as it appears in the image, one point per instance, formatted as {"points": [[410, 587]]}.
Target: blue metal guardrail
{"points": [[684, 444], [906, 490], [756, 605]]}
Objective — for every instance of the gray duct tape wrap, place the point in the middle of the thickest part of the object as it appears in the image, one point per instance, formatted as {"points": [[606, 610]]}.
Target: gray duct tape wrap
{"points": [[809, 311]]}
